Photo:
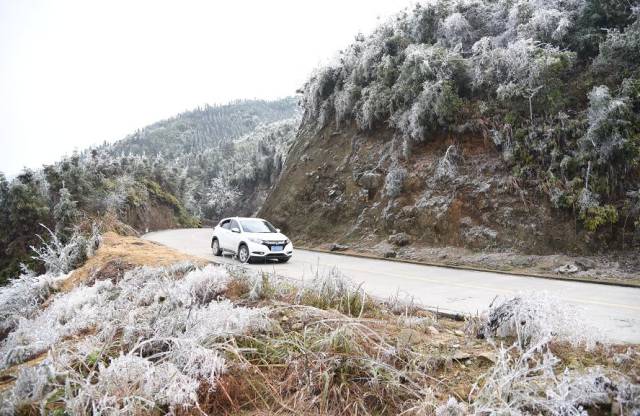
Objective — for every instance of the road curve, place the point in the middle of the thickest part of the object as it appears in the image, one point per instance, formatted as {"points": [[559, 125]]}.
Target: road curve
{"points": [[613, 310]]}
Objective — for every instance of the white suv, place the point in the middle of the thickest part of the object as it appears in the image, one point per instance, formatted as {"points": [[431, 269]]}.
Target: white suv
{"points": [[251, 239]]}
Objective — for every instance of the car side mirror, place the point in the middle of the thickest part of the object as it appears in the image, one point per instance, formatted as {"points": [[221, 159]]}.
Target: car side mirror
{"points": [[235, 229], [277, 230]]}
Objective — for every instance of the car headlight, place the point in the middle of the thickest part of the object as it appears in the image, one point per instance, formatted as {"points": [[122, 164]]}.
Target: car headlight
{"points": [[286, 242], [255, 240]]}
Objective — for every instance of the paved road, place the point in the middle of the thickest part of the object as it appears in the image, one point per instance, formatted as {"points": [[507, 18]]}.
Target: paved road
{"points": [[613, 310]]}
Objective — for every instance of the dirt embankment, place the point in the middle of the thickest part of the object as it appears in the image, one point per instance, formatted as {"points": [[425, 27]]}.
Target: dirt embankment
{"points": [[119, 253], [336, 189]]}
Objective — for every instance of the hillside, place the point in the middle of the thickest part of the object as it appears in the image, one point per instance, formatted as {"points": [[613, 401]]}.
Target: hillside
{"points": [[483, 125], [175, 173], [140, 329], [201, 129]]}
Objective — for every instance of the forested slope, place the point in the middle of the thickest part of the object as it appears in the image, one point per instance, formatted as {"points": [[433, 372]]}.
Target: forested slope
{"points": [[176, 172], [479, 124]]}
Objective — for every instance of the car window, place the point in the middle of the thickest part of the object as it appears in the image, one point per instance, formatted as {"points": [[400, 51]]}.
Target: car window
{"points": [[234, 224], [257, 226], [225, 224]]}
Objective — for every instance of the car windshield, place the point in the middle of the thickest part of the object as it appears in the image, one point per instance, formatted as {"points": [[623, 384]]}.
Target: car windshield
{"points": [[257, 226]]}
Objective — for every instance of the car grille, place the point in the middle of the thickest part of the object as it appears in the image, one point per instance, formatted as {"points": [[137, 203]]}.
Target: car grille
{"points": [[275, 242]]}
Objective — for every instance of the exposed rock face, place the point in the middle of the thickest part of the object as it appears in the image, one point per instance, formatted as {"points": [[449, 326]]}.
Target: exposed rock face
{"points": [[339, 247], [338, 190], [400, 239]]}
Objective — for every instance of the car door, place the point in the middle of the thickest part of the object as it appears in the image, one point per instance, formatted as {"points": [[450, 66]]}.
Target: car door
{"points": [[223, 234], [234, 237]]}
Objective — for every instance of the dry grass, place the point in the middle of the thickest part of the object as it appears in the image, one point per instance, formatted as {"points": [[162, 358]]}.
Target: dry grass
{"points": [[327, 349], [127, 250], [322, 358]]}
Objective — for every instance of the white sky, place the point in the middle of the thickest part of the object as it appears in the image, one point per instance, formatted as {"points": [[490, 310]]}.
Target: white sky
{"points": [[76, 73]]}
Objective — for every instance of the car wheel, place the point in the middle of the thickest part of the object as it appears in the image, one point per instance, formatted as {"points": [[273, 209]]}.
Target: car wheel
{"points": [[243, 254], [284, 260], [215, 247]]}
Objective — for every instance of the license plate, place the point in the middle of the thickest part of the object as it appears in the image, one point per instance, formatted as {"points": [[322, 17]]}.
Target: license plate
{"points": [[276, 248]]}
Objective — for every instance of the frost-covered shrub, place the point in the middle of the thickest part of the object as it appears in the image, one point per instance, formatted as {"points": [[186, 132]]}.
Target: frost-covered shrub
{"points": [[451, 408], [526, 377], [619, 53], [545, 21], [65, 214], [115, 198], [375, 107], [32, 386], [61, 257], [456, 29], [166, 321], [394, 181], [435, 103], [147, 303], [516, 69], [435, 107], [68, 314], [536, 318], [608, 119], [446, 167], [22, 296], [521, 382]]}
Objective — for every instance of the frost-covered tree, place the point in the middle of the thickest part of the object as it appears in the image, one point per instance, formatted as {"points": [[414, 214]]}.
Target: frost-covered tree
{"points": [[117, 193], [220, 196], [26, 208], [455, 29], [608, 120], [619, 55], [65, 214], [4, 210]]}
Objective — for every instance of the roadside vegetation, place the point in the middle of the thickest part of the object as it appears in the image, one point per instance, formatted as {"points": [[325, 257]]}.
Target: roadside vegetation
{"points": [[555, 85], [140, 338]]}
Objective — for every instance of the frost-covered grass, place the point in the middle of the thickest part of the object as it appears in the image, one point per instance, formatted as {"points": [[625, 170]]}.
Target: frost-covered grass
{"points": [[333, 291], [160, 322], [188, 340], [22, 297]]}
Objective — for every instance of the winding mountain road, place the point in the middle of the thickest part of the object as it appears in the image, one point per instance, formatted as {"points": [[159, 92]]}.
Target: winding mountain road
{"points": [[613, 310]]}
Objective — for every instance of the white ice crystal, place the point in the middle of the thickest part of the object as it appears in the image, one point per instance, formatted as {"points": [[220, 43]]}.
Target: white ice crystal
{"points": [[166, 320]]}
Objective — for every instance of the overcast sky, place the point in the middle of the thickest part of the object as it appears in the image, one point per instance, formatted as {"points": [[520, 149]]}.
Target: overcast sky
{"points": [[76, 73]]}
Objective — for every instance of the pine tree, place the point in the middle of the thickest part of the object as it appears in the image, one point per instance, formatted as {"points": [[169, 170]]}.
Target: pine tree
{"points": [[27, 209]]}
